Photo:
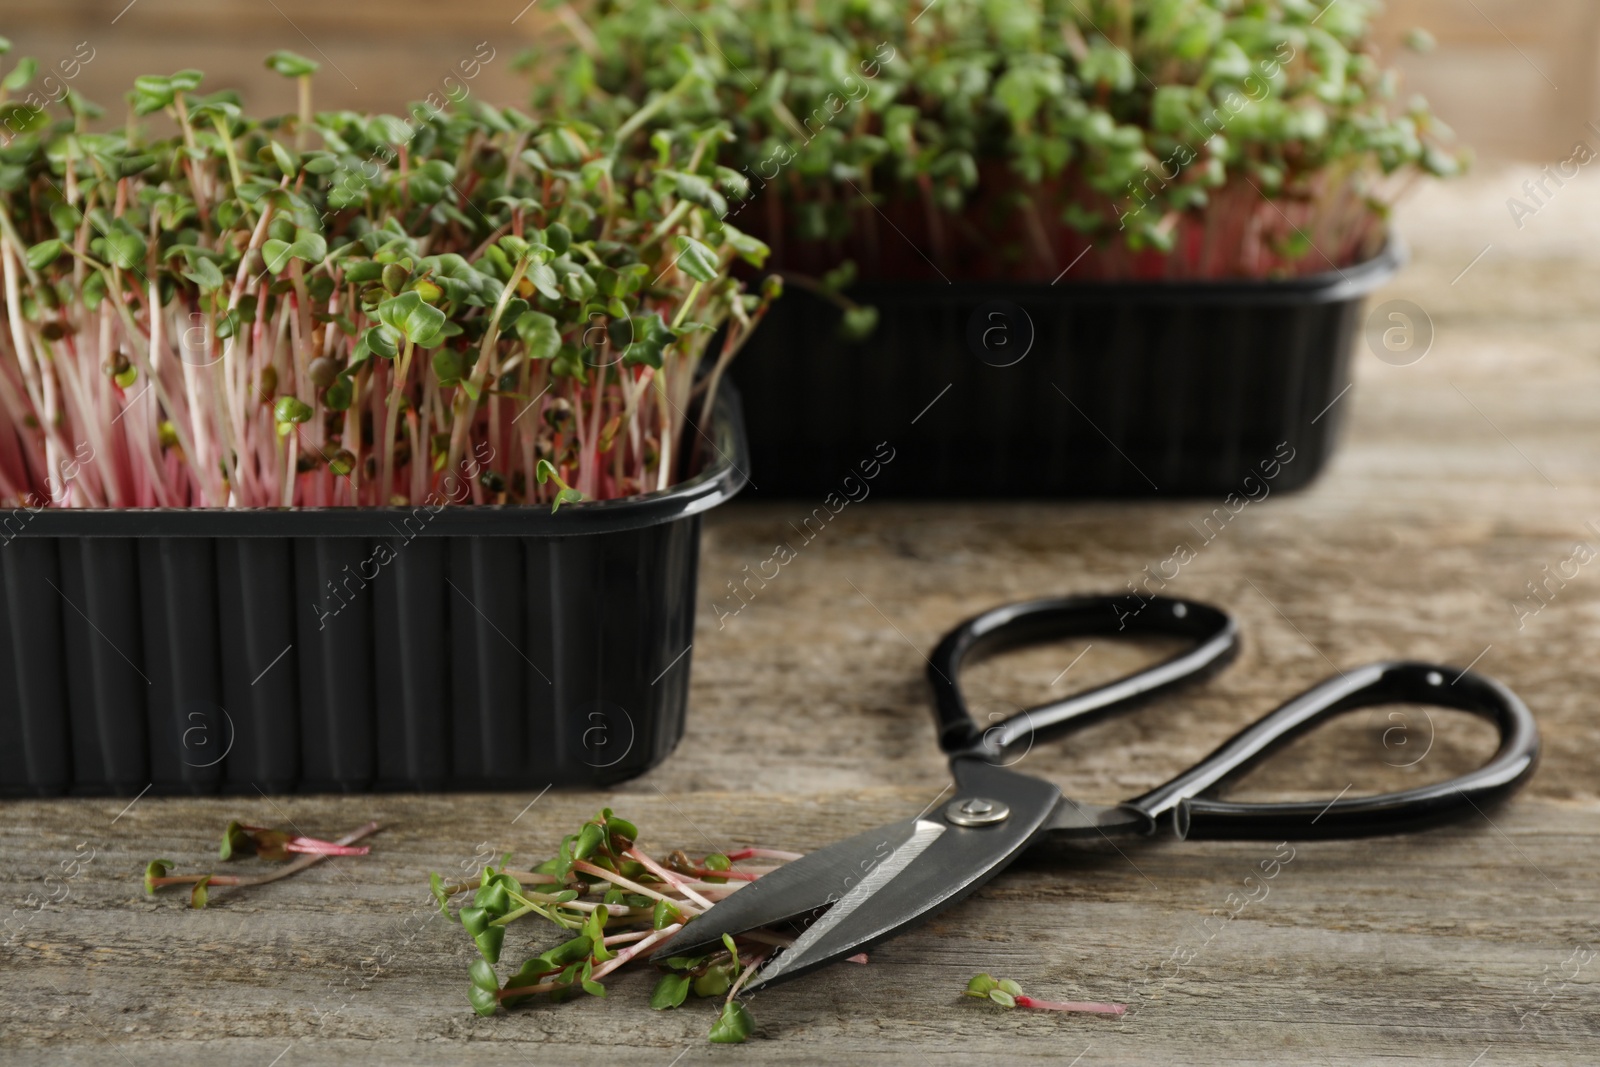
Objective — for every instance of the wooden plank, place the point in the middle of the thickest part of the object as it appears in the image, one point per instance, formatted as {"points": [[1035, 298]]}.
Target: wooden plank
{"points": [[1358, 950]]}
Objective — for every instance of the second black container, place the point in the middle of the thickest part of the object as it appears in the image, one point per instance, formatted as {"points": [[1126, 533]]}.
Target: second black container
{"points": [[1100, 389]]}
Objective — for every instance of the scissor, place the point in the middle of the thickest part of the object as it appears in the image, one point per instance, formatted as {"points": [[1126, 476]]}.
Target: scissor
{"points": [[877, 884]]}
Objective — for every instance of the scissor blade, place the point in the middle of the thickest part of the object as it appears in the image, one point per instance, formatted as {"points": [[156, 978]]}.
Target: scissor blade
{"points": [[801, 954], [796, 889], [932, 871]]}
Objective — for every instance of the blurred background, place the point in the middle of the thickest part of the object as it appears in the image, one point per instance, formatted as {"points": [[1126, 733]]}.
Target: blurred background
{"points": [[1516, 78]]}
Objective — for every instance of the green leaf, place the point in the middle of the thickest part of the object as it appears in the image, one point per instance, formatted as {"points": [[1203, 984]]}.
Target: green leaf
{"points": [[307, 245], [483, 976], [540, 333], [489, 942], [697, 261], [475, 919], [752, 250], [20, 75], [544, 279], [493, 899], [234, 839], [20, 118], [570, 951], [714, 983], [670, 992], [1002, 998], [124, 249], [381, 341], [617, 827], [419, 321], [362, 271], [65, 217], [277, 254], [290, 409], [589, 839], [284, 158], [979, 985], [151, 94], [595, 928], [566, 496], [733, 1026], [858, 323], [684, 963], [664, 915], [315, 162], [291, 65], [649, 338], [436, 887], [450, 366], [205, 275], [45, 253], [484, 1001], [559, 238], [198, 896], [153, 870]]}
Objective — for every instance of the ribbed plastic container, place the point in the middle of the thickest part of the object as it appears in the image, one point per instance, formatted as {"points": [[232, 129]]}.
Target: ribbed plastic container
{"points": [[346, 649], [1128, 389]]}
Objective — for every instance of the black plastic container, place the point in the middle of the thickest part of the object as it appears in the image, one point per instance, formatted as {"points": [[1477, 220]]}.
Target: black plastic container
{"points": [[197, 651], [1126, 389]]}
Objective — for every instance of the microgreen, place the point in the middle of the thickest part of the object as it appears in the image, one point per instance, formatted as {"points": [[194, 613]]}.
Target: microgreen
{"points": [[613, 904], [1008, 994], [270, 845], [332, 308], [998, 138]]}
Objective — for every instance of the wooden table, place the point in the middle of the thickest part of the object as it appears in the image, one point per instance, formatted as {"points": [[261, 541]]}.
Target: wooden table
{"points": [[1464, 475]]}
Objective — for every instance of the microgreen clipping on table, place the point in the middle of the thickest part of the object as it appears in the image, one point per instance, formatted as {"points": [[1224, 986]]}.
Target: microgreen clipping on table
{"points": [[272, 845], [1008, 994], [617, 903]]}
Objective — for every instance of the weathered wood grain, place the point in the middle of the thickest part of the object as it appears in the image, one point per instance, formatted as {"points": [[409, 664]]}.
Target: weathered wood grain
{"points": [[1463, 476]]}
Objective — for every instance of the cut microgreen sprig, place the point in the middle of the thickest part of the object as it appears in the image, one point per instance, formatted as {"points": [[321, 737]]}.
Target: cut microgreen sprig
{"points": [[618, 903], [1008, 994], [268, 844]]}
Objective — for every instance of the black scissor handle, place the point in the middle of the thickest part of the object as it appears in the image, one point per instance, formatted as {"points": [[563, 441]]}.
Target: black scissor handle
{"points": [[1215, 632], [1195, 815]]}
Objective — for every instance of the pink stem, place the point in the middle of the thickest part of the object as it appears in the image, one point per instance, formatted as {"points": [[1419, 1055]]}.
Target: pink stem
{"points": [[313, 845], [667, 876], [764, 853], [324, 848], [632, 935], [617, 880], [191, 879], [742, 876], [1071, 1005], [629, 953], [744, 976]]}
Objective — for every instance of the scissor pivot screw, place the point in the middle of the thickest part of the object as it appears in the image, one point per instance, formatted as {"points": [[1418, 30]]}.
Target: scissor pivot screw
{"points": [[976, 811]]}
